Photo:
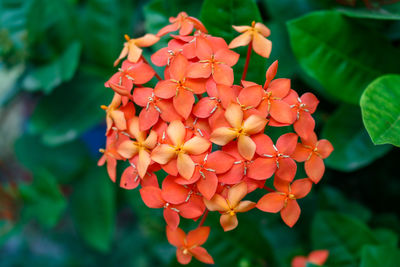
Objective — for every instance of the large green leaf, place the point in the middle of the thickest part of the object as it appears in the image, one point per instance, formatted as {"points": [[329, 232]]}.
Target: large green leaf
{"points": [[342, 235], [373, 256], [93, 208], [219, 15], [342, 66], [387, 12], [64, 161], [42, 200], [353, 147], [70, 110], [51, 75], [380, 106]]}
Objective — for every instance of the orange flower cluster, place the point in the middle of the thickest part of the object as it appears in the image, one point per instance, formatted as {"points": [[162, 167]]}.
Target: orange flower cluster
{"points": [[208, 133]]}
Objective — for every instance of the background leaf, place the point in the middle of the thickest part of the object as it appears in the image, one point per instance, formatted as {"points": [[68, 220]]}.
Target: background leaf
{"points": [[380, 256], [380, 108]]}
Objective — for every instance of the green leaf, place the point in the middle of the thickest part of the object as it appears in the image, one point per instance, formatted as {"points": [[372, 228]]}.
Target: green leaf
{"points": [[70, 110], [380, 107], [342, 66], [42, 200], [218, 17], [387, 12], [386, 237], [64, 161], [353, 147], [373, 256], [51, 75], [93, 208], [342, 235]]}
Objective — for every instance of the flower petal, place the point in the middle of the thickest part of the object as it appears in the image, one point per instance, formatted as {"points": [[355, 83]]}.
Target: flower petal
{"points": [[183, 103], [286, 143], [185, 165], [198, 236], [176, 236], [222, 136], [234, 115], [228, 222], [271, 202], [291, 213], [217, 203], [261, 168], [262, 45], [246, 147], [208, 185], [128, 149], [301, 187], [202, 255], [223, 74], [129, 179], [183, 258], [219, 161], [163, 153], [244, 206], [151, 196], [196, 145], [143, 162], [241, 40], [176, 132], [171, 217], [254, 124], [315, 168], [237, 193]]}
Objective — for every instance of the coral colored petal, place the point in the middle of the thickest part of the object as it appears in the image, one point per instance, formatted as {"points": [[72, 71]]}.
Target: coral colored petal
{"points": [[196, 145], [228, 222], [226, 95], [315, 168], [217, 203], [127, 149], [299, 261], [208, 185], [171, 217], [244, 206], [185, 165], [301, 153], [262, 29], [176, 132], [301, 187], [223, 74], [237, 193], [202, 255], [141, 95], [129, 179], [234, 115], [291, 213], [250, 96], [254, 124], [148, 118], [178, 67], [151, 140], [165, 89], [192, 209], [204, 108], [279, 88], [186, 28], [219, 161], [246, 147], [168, 112], [242, 40], [287, 169], [119, 119], [325, 148], [163, 153], [311, 101], [172, 192], [241, 28], [168, 29], [199, 70], [203, 49], [183, 258], [264, 144], [143, 162], [196, 86], [227, 56], [286, 143], [198, 236], [261, 168], [271, 72], [111, 168], [262, 45], [271, 202], [223, 135], [134, 53], [318, 257], [183, 103], [147, 40], [160, 57], [176, 236], [281, 112], [149, 180], [233, 176], [151, 196], [305, 125]]}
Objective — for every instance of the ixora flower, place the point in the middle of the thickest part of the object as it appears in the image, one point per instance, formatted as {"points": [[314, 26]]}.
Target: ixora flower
{"points": [[209, 135], [316, 257]]}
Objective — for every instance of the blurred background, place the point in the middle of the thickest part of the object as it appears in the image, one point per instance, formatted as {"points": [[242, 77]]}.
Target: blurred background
{"points": [[57, 208]]}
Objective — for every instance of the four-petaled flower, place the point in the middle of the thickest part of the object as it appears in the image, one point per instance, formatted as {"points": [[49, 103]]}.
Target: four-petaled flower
{"points": [[132, 47], [184, 24], [316, 257]]}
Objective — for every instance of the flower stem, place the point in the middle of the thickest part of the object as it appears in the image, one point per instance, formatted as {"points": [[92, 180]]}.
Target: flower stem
{"points": [[156, 74], [268, 188], [246, 65], [203, 219]]}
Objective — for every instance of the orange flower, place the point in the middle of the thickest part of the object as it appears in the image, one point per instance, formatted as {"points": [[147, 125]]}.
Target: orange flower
{"points": [[141, 146], [313, 151], [114, 115], [132, 47], [284, 200], [254, 34], [316, 257], [183, 23], [240, 129], [231, 205], [180, 149], [189, 245], [110, 154], [130, 178]]}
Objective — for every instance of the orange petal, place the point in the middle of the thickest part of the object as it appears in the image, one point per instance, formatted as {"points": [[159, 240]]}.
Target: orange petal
{"points": [[143, 162], [261, 168], [163, 153], [223, 135], [262, 29], [185, 165], [250, 96], [217, 203], [227, 56], [176, 132], [228, 222], [198, 236], [245, 206], [202, 255], [171, 217], [271, 202], [299, 261], [151, 196], [311, 101], [271, 72], [246, 147], [183, 258], [315, 168], [151, 140], [134, 129], [301, 153], [305, 125], [165, 89], [219, 161], [291, 213], [325, 148], [119, 119], [129, 179], [318, 257], [287, 169], [147, 40], [134, 53], [234, 115], [196, 145], [242, 40], [204, 108], [148, 118], [237, 193], [183, 102], [286, 143], [203, 49], [241, 28], [172, 192], [301, 187], [254, 124], [176, 237], [199, 70], [127, 149], [111, 168], [262, 45], [223, 74], [208, 185], [178, 67], [282, 112]]}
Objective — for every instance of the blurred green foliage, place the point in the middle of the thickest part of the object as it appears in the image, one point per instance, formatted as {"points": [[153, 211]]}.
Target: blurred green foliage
{"points": [[55, 57]]}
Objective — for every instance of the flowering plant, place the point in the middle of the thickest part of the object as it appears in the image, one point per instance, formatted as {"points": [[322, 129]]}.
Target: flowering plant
{"points": [[208, 134]]}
